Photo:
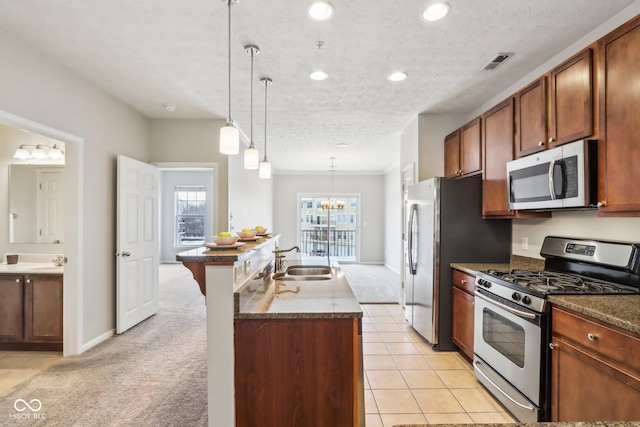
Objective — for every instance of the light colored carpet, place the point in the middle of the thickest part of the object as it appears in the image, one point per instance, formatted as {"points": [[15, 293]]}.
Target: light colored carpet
{"points": [[155, 374], [373, 283]]}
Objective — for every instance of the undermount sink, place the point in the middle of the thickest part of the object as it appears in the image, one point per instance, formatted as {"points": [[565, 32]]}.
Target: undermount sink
{"points": [[305, 272]]}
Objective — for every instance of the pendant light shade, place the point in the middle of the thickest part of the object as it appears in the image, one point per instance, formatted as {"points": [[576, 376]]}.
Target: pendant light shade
{"points": [[251, 156], [229, 135], [265, 167]]}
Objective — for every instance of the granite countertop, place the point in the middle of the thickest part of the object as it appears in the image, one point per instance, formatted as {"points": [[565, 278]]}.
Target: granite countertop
{"points": [[622, 311], [31, 268], [207, 255], [266, 298], [573, 424], [515, 262]]}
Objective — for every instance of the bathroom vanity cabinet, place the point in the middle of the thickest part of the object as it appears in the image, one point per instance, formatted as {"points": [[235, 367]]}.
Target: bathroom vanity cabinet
{"points": [[31, 314]]}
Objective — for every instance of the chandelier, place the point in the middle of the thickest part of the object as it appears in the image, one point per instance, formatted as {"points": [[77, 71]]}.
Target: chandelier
{"points": [[330, 203]]}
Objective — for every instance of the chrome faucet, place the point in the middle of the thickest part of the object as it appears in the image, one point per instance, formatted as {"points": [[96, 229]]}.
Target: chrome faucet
{"points": [[59, 260], [280, 257]]}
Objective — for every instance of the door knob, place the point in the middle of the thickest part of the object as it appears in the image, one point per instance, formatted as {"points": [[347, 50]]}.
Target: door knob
{"points": [[124, 254]]}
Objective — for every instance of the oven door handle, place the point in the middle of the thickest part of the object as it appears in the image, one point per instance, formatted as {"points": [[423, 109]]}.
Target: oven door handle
{"points": [[504, 393], [511, 310]]}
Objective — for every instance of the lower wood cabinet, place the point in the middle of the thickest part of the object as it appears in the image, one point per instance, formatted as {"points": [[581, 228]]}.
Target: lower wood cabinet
{"points": [[595, 370], [298, 372], [462, 322], [31, 314]]}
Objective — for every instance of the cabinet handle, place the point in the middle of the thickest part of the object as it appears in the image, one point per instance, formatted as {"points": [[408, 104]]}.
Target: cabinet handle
{"points": [[551, 140], [602, 203], [552, 346], [28, 280], [592, 337], [463, 281], [540, 143], [18, 280]]}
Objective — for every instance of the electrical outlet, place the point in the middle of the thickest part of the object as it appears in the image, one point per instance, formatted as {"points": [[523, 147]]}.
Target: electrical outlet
{"points": [[237, 273], [525, 243], [247, 266]]}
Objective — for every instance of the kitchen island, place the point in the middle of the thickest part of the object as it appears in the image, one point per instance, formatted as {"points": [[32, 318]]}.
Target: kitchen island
{"points": [[280, 352]]}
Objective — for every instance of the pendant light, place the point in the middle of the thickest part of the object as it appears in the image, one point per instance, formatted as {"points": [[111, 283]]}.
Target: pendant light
{"points": [[251, 156], [265, 167], [229, 135]]}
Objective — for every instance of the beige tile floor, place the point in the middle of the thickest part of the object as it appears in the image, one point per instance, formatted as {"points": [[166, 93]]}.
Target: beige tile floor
{"points": [[18, 366], [407, 382]]}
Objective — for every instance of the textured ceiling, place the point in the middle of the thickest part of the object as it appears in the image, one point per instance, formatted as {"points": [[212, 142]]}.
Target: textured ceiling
{"points": [[153, 52]]}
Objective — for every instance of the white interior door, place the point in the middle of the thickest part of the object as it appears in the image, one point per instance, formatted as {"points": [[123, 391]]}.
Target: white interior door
{"points": [[50, 206], [137, 243]]}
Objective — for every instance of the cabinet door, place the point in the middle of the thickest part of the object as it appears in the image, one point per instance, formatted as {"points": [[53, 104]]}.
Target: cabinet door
{"points": [[531, 118], [571, 114], [452, 155], [43, 308], [470, 152], [498, 139], [12, 303], [618, 63], [585, 389], [463, 321]]}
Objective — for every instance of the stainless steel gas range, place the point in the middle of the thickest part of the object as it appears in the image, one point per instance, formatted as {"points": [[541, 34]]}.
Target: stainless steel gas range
{"points": [[512, 317]]}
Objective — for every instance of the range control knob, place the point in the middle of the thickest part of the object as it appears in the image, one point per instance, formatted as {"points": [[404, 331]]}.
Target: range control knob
{"points": [[526, 300], [516, 296], [484, 283]]}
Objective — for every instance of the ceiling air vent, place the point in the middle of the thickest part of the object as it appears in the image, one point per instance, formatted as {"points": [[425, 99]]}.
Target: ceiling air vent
{"points": [[497, 60]]}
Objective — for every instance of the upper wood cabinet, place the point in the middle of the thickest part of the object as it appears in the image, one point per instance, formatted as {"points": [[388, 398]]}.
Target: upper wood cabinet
{"points": [[462, 153], [619, 105], [531, 118], [498, 135], [571, 100]]}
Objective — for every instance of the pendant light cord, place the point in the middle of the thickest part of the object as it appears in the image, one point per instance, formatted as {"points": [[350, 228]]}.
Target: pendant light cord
{"points": [[266, 86], [229, 50], [251, 145]]}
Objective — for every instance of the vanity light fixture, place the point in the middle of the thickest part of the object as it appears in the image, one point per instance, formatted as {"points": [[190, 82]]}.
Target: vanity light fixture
{"points": [[229, 135], [320, 10], [318, 75], [40, 152], [436, 11], [264, 171], [398, 76], [251, 156]]}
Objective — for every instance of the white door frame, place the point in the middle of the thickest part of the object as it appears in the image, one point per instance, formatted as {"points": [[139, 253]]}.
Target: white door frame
{"points": [[73, 225]]}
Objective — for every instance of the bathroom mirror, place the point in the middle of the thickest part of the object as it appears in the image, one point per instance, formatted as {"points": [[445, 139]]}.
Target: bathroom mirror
{"points": [[36, 203]]}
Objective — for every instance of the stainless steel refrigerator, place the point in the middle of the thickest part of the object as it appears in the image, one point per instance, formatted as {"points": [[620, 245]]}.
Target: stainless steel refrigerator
{"points": [[445, 225]]}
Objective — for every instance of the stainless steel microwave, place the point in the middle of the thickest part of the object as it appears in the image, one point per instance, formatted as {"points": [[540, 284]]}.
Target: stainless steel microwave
{"points": [[564, 177]]}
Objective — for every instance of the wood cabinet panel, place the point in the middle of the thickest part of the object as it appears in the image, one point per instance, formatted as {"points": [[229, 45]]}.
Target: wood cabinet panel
{"points": [[498, 143], [462, 328], [43, 308], [619, 97], [298, 372], [470, 148], [587, 375], [464, 281], [452, 155], [12, 304], [571, 106], [531, 118]]}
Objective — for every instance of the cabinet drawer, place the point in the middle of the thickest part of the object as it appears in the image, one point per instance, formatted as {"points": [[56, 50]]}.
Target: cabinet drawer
{"points": [[463, 281], [599, 339]]}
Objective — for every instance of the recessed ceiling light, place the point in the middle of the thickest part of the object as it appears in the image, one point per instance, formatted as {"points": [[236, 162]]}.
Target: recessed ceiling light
{"points": [[436, 11], [169, 107], [398, 76], [318, 75], [342, 145], [320, 10]]}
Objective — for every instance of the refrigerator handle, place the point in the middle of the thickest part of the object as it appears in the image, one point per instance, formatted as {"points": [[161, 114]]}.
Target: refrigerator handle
{"points": [[412, 217]]}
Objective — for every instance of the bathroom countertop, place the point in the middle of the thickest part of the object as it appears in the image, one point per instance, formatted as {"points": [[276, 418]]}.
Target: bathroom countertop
{"points": [[31, 268]]}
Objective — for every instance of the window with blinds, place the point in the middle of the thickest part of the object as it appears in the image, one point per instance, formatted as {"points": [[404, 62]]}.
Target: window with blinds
{"points": [[189, 215]]}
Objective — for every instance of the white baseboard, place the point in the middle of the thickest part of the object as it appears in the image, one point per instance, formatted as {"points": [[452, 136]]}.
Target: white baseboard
{"points": [[392, 269], [97, 340]]}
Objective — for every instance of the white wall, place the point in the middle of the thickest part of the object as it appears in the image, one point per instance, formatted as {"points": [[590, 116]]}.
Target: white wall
{"points": [[250, 197], [169, 179], [432, 128], [393, 220], [35, 87], [372, 199]]}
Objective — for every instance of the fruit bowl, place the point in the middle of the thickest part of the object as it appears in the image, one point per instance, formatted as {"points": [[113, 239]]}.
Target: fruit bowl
{"points": [[260, 232], [224, 240], [247, 234]]}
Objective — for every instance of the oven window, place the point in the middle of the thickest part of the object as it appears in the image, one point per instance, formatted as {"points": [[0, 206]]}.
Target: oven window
{"points": [[503, 335]]}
